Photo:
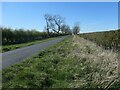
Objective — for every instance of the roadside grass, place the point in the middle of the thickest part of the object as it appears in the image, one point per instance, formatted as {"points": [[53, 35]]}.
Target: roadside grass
{"points": [[6, 48], [71, 63], [35, 72]]}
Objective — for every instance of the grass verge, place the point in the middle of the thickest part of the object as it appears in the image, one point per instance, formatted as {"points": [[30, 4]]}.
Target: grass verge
{"points": [[67, 64]]}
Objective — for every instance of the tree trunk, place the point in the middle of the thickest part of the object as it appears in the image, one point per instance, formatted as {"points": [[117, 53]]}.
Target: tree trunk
{"points": [[48, 32], [58, 29]]}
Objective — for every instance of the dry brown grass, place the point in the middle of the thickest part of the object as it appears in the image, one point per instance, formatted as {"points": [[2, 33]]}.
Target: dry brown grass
{"points": [[104, 61]]}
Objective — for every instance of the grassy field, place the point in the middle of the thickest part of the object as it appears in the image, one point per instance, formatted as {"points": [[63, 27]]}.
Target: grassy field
{"points": [[6, 48], [72, 63]]}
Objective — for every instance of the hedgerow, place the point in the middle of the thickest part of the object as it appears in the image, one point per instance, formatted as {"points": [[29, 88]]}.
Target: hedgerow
{"points": [[17, 36], [107, 39]]}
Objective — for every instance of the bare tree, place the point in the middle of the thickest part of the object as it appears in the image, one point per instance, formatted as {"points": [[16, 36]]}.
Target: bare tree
{"points": [[58, 20], [76, 29], [53, 27], [53, 22], [48, 19], [65, 29]]}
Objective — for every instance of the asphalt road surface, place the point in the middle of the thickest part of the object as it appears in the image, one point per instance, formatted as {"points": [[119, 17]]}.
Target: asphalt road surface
{"points": [[11, 57]]}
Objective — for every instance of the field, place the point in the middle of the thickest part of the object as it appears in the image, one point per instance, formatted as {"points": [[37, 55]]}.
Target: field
{"points": [[72, 63]]}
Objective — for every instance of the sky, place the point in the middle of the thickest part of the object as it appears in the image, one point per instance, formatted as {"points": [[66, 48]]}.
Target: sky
{"points": [[92, 16]]}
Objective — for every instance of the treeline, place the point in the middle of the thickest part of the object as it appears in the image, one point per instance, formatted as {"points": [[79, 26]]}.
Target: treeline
{"points": [[56, 23], [17, 36], [107, 39], [55, 26]]}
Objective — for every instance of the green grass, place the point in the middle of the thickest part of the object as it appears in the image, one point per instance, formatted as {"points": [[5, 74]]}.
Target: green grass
{"points": [[6, 48], [39, 70], [54, 67]]}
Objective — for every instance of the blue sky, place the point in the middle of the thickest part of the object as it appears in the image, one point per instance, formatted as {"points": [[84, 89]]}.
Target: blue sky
{"points": [[92, 16]]}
